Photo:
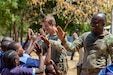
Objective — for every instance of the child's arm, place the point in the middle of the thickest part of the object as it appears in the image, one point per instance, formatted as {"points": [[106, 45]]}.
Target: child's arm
{"points": [[58, 72], [30, 47], [30, 33], [40, 52], [41, 66], [48, 54], [34, 39]]}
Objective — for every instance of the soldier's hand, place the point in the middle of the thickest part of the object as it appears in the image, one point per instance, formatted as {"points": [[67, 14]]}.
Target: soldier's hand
{"points": [[61, 34]]}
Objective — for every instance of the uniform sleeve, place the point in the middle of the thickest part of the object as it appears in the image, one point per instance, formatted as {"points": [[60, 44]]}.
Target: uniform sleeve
{"points": [[75, 45], [69, 46], [109, 41], [57, 46]]}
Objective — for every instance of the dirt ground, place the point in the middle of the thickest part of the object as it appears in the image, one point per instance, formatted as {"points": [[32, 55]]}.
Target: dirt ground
{"points": [[71, 63]]}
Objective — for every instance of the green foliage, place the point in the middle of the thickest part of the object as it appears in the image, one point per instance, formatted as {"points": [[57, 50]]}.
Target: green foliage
{"points": [[50, 4], [85, 28], [35, 27], [68, 15], [10, 12]]}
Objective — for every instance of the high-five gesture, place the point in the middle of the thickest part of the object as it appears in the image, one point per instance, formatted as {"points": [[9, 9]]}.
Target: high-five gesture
{"points": [[38, 48], [30, 33], [46, 41], [61, 34], [42, 32]]}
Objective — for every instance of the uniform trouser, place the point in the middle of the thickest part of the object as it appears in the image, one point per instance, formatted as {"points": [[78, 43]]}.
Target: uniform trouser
{"points": [[63, 66], [79, 68], [86, 71]]}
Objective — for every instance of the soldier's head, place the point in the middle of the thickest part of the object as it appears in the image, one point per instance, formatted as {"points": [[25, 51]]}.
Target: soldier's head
{"points": [[48, 23], [97, 23]]}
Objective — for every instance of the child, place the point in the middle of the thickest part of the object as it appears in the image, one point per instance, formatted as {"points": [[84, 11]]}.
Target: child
{"points": [[11, 61], [25, 59], [4, 44], [51, 68]]}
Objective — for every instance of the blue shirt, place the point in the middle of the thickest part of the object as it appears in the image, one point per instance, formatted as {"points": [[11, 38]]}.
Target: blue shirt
{"points": [[1, 62], [107, 70], [27, 61]]}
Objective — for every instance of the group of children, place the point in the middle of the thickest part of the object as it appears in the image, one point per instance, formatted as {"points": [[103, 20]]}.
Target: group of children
{"points": [[14, 60]]}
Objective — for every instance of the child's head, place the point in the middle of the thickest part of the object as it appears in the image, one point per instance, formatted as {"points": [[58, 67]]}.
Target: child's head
{"points": [[10, 59], [50, 69], [4, 45], [17, 47], [5, 42], [7, 39]]}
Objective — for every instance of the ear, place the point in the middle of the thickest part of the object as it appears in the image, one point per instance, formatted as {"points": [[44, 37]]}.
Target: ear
{"points": [[16, 63]]}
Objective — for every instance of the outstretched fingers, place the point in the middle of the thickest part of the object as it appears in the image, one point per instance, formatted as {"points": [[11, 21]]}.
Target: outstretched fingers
{"points": [[45, 40], [60, 33]]}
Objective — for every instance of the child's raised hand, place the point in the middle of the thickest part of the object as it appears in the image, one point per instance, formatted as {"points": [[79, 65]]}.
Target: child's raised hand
{"points": [[42, 32], [38, 48], [30, 33], [46, 41]]}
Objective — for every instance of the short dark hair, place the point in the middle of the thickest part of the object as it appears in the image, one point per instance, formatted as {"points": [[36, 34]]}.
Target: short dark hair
{"points": [[7, 39], [47, 70], [4, 45], [12, 46], [9, 58]]}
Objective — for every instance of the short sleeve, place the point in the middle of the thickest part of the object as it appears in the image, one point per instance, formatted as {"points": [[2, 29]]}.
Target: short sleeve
{"points": [[32, 62], [24, 58]]}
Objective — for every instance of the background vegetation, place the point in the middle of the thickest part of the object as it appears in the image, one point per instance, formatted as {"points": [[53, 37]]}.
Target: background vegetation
{"points": [[16, 16]]}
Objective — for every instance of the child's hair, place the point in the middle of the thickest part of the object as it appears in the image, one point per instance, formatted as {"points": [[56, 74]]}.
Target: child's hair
{"points": [[4, 45], [47, 70], [7, 39], [9, 58], [12, 46]]}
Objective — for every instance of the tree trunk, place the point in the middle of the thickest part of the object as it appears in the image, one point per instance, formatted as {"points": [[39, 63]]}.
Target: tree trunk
{"points": [[21, 33], [15, 32]]}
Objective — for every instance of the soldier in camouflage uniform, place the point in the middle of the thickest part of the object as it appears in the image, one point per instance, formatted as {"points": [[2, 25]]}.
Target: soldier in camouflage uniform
{"points": [[57, 55], [97, 45]]}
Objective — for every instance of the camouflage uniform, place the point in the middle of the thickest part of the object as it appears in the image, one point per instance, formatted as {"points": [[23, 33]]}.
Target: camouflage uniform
{"points": [[58, 55], [97, 51]]}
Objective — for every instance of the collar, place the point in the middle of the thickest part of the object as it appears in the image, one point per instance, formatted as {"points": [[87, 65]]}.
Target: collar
{"points": [[52, 35], [105, 32]]}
